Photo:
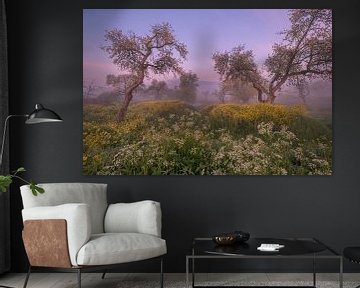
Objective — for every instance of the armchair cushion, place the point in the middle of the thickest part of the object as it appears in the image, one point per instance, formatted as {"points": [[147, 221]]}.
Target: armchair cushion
{"points": [[92, 194], [78, 221], [138, 217], [113, 248]]}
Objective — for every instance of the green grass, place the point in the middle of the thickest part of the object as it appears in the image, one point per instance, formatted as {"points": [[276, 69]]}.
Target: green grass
{"points": [[174, 138]]}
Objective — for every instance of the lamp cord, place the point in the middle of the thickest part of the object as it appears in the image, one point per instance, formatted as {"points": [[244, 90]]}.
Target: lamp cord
{"points": [[4, 135]]}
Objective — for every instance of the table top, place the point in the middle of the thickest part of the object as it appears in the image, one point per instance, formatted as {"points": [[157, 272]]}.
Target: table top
{"points": [[292, 247]]}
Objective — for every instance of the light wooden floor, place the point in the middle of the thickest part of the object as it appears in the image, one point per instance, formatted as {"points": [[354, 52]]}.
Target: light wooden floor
{"points": [[92, 280]]}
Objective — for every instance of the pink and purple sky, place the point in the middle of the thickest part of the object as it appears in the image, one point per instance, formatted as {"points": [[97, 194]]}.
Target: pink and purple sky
{"points": [[204, 31]]}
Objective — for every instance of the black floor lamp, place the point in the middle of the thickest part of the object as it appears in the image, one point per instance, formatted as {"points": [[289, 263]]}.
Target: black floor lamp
{"points": [[39, 115]]}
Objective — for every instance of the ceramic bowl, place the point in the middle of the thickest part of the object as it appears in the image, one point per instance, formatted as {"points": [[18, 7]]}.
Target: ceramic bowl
{"points": [[225, 239]]}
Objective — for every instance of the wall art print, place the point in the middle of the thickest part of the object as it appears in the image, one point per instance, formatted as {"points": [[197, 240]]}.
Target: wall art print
{"points": [[207, 92]]}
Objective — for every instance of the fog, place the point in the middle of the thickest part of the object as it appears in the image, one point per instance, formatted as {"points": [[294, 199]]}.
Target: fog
{"points": [[318, 96]]}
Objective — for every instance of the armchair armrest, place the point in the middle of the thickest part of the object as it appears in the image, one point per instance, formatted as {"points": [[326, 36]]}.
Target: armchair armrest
{"points": [[78, 223], [138, 217]]}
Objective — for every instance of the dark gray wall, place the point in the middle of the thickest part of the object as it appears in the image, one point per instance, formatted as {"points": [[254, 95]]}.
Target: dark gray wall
{"points": [[45, 49]]}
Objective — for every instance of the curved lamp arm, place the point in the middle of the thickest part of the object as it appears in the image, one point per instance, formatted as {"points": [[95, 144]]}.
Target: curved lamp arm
{"points": [[39, 115], [4, 134]]}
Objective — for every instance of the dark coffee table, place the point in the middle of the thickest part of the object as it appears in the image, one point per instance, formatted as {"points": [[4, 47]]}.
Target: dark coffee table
{"points": [[294, 248]]}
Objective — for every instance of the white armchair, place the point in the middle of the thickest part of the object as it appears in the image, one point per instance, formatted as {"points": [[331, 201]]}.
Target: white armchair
{"points": [[72, 228]]}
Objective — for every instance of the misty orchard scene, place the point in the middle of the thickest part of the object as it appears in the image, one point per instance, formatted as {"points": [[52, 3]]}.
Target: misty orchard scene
{"points": [[207, 92]]}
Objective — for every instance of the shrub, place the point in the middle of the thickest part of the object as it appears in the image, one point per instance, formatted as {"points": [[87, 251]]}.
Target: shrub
{"points": [[243, 119]]}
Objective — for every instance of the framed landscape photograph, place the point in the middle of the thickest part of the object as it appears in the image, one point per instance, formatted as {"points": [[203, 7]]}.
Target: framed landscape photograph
{"points": [[207, 91]]}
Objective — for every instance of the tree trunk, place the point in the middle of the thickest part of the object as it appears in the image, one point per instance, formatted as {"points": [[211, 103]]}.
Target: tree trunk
{"points": [[272, 97], [128, 97], [122, 112], [260, 93]]}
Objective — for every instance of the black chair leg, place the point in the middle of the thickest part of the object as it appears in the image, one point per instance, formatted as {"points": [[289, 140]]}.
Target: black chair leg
{"points": [[27, 277], [161, 273], [103, 275], [79, 277]]}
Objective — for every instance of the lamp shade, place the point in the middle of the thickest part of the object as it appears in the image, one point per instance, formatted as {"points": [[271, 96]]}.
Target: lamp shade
{"points": [[42, 115]]}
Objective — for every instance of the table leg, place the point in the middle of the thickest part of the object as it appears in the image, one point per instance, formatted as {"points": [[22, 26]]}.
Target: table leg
{"points": [[341, 273], [193, 272], [187, 272], [314, 271]]}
